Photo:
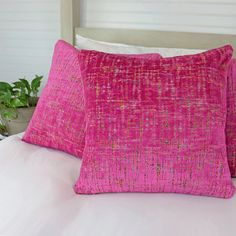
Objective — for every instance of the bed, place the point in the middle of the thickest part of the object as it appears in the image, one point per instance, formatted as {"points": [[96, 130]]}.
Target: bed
{"points": [[37, 196], [37, 199]]}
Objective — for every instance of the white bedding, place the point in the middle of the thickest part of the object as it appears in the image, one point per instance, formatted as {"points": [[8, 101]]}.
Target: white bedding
{"points": [[37, 199]]}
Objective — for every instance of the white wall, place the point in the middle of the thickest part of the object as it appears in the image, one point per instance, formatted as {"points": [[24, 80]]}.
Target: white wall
{"points": [[28, 31], [211, 16]]}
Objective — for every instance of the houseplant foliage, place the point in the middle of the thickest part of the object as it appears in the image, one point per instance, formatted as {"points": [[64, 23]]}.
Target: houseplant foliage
{"points": [[3, 129], [20, 94]]}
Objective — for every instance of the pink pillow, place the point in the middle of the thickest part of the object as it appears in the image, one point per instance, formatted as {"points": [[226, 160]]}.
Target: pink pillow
{"points": [[231, 118], [155, 125], [58, 121]]}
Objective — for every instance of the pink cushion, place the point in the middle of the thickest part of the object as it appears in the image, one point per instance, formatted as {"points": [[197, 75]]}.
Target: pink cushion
{"points": [[58, 121], [155, 125], [231, 118]]}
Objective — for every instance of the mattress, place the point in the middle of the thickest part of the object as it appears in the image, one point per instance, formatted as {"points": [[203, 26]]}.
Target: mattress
{"points": [[37, 199]]}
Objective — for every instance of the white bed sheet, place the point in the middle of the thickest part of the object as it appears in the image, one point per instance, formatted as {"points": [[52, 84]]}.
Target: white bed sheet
{"points": [[37, 199]]}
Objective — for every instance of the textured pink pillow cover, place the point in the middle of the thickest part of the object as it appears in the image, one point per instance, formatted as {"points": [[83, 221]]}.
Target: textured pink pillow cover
{"points": [[155, 125], [231, 118], [58, 121]]}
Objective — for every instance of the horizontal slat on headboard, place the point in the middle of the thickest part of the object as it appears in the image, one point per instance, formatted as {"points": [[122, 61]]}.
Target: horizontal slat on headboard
{"points": [[209, 16], [153, 38]]}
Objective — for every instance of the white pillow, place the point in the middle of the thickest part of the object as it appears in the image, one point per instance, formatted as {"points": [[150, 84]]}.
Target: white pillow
{"points": [[90, 44]]}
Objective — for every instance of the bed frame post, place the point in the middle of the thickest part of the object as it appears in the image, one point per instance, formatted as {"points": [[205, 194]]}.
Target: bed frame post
{"points": [[69, 19]]}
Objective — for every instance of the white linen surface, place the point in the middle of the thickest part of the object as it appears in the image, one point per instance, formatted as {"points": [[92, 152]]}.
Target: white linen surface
{"points": [[37, 199]]}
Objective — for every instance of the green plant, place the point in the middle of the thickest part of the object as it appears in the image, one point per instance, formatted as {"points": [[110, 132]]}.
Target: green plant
{"points": [[17, 95], [3, 129]]}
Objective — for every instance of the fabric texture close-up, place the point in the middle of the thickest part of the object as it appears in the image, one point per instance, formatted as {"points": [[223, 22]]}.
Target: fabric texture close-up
{"points": [[231, 118], [58, 121], [155, 125]]}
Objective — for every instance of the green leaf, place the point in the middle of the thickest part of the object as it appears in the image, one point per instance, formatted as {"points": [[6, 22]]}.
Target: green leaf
{"points": [[5, 86], [24, 100], [18, 84], [9, 114], [1, 94], [20, 92], [27, 85], [35, 84], [5, 98], [19, 88], [16, 102]]}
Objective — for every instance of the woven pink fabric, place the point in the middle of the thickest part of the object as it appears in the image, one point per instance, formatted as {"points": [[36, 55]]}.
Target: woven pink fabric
{"points": [[231, 118], [155, 125], [58, 121]]}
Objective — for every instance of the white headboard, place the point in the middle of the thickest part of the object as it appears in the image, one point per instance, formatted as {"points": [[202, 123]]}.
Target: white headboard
{"points": [[70, 25]]}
